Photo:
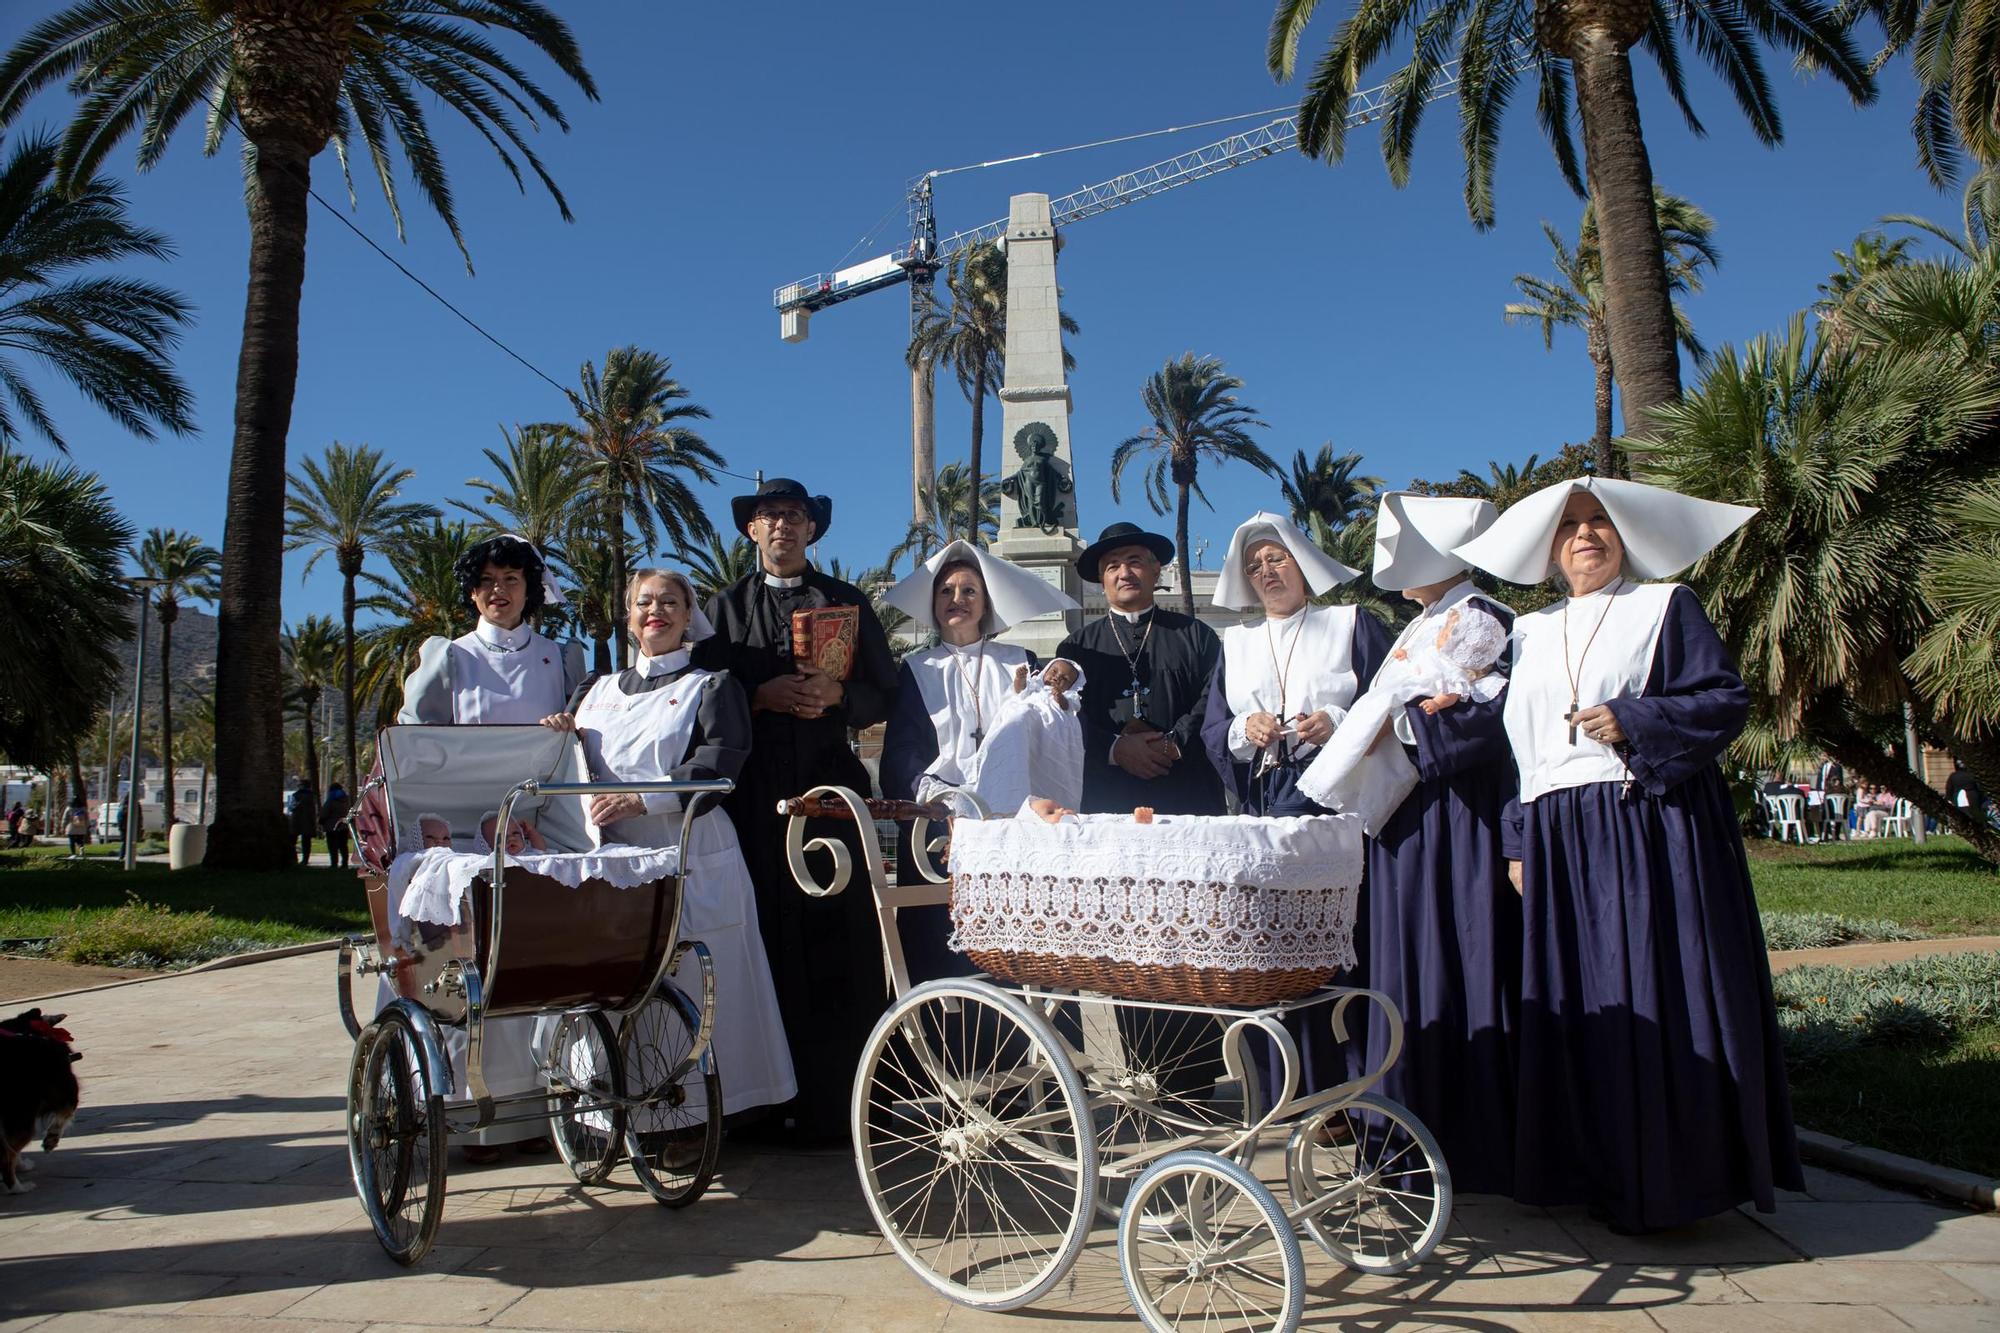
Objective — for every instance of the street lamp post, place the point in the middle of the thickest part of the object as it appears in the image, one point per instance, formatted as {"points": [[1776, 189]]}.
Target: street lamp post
{"points": [[144, 587]]}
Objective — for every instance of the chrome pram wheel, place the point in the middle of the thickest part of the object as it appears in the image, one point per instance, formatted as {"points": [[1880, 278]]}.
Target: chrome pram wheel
{"points": [[972, 1137], [587, 1082], [1382, 1177], [675, 1137], [1228, 1261], [396, 1136]]}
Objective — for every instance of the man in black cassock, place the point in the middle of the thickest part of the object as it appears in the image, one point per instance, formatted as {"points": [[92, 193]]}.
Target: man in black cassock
{"points": [[1146, 672], [826, 953]]}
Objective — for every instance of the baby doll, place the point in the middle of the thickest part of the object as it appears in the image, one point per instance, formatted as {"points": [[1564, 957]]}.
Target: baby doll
{"points": [[1457, 661], [435, 830], [521, 835]]}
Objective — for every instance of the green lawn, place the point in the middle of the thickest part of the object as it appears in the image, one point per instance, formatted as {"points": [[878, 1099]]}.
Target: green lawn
{"points": [[39, 890], [1942, 887], [1937, 1104]]}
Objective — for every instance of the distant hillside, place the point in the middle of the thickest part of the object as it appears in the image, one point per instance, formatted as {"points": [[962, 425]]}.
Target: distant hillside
{"points": [[194, 654]]}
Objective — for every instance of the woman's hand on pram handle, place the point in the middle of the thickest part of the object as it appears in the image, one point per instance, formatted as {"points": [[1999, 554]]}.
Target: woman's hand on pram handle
{"points": [[606, 810]]}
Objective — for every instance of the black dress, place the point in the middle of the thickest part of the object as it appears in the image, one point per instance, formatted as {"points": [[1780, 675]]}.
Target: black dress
{"points": [[826, 953]]}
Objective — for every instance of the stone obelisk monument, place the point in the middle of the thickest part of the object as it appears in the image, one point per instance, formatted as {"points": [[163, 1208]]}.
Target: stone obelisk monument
{"points": [[1038, 519]]}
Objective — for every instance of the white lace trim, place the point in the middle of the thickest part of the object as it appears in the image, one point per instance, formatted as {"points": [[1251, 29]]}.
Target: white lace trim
{"points": [[430, 885], [1234, 894]]}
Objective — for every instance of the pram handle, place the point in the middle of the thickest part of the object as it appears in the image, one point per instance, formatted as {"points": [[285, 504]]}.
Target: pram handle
{"points": [[827, 807]]}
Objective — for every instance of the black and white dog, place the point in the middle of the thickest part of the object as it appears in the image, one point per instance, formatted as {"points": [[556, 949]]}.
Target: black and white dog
{"points": [[38, 1090]]}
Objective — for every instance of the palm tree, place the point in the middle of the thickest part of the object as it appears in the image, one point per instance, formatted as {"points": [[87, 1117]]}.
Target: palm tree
{"points": [[186, 567], [421, 598], [537, 487], [311, 653], [348, 506], [62, 556], [1328, 488], [1574, 297], [637, 458], [969, 336], [1853, 279], [947, 494], [599, 608], [109, 337], [1829, 597], [1581, 47], [715, 565], [1195, 415], [291, 77], [1981, 213], [196, 741], [1958, 100]]}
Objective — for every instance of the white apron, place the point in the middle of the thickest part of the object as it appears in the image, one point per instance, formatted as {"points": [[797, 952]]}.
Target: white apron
{"points": [[1313, 648], [643, 738]]}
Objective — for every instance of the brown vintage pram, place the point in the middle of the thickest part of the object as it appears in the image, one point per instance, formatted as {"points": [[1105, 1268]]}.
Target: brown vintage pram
{"points": [[584, 940]]}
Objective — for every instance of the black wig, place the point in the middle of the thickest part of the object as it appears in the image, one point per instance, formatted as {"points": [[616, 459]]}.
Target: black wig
{"points": [[509, 552]]}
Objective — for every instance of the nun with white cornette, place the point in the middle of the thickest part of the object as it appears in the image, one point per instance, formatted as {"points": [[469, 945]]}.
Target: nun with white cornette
{"points": [[1652, 1076], [950, 700], [1431, 776]]}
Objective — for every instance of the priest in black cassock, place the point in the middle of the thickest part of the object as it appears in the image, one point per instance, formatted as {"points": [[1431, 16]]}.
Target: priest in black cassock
{"points": [[1146, 672], [826, 953], [1145, 685]]}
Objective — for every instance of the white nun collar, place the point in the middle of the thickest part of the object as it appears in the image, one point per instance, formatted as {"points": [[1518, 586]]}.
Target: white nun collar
{"points": [[505, 640], [1415, 534], [665, 664], [1012, 593], [1322, 571], [1663, 531]]}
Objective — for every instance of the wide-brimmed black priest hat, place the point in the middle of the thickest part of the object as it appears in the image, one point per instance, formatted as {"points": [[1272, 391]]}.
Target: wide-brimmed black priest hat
{"points": [[1115, 536], [819, 508]]}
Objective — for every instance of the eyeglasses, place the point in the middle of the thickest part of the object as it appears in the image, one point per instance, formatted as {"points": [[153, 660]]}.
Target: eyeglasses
{"points": [[1270, 564], [791, 517], [646, 601]]}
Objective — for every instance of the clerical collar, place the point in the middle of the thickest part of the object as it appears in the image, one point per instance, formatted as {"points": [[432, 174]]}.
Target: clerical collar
{"points": [[1130, 617], [666, 664], [500, 640], [1286, 620], [780, 581]]}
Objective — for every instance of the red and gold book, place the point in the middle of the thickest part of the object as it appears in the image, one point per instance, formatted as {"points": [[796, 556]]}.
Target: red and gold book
{"points": [[825, 636]]}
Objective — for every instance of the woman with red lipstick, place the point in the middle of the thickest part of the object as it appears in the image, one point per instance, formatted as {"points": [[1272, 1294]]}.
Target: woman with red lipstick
{"points": [[1652, 1079]]}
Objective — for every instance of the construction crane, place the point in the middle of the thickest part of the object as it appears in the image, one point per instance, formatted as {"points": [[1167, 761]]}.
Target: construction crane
{"points": [[918, 262]]}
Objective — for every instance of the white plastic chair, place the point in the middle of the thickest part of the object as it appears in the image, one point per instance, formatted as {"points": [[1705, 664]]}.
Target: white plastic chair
{"points": [[1898, 823], [1788, 817], [1834, 809]]}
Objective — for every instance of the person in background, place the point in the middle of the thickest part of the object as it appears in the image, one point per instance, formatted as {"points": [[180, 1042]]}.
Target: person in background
{"points": [[825, 953], [15, 818], [1652, 1070], [333, 823], [1960, 789], [76, 825], [303, 808]]}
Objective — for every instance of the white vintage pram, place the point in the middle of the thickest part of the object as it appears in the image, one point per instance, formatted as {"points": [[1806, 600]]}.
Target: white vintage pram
{"points": [[996, 1119], [585, 940]]}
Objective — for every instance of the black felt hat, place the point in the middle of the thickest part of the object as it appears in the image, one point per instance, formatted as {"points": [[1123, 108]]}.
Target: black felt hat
{"points": [[1115, 536], [819, 508]]}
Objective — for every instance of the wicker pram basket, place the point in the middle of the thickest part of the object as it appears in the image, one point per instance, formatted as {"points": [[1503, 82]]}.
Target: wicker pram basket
{"points": [[1192, 910]]}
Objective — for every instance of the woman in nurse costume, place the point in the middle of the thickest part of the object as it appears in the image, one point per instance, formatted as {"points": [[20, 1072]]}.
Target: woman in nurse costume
{"points": [[1284, 682], [661, 720], [1651, 1072], [1444, 923], [503, 671], [947, 700]]}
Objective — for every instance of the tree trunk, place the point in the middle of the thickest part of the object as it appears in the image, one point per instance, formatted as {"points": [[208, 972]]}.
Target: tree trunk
{"points": [[615, 523], [167, 614], [600, 654], [77, 789], [1600, 363], [250, 830], [1638, 305], [1825, 724], [923, 439], [311, 775], [347, 668], [972, 459], [1181, 546]]}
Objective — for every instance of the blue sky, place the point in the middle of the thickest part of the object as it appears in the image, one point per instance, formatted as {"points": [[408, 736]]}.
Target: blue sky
{"points": [[739, 147]]}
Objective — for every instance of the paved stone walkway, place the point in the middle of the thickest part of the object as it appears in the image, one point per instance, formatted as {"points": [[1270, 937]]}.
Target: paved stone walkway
{"points": [[205, 1187]]}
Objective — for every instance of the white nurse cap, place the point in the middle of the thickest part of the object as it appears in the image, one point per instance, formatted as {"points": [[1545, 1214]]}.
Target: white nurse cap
{"points": [[1415, 534], [1664, 531], [1012, 593], [1322, 571]]}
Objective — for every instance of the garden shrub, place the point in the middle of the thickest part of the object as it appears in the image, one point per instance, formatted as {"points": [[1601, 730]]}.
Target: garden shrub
{"points": [[1820, 930], [141, 934], [1824, 1011]]}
